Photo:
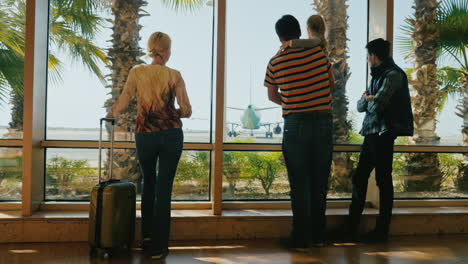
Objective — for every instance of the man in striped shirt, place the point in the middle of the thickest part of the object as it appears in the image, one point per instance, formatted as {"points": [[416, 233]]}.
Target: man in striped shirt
{"points": [[299, 80]]}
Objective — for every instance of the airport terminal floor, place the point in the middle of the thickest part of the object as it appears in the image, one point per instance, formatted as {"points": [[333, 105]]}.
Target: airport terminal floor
{"points": [[446, 249]]}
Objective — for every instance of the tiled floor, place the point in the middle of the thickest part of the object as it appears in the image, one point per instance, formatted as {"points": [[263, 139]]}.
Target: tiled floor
{"points": [[400, 250]]}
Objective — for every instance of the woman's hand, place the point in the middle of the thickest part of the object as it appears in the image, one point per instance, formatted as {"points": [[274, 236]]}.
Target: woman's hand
{"points": [[285, 45]]}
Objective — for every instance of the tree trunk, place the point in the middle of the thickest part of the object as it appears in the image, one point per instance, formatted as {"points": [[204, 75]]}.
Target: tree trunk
{"points": [[16, 123], [124, 54], [423, 172], [334, 12]]}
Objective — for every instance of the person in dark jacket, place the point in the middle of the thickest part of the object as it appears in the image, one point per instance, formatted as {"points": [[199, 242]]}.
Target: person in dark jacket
{"points": [[387, 104]]}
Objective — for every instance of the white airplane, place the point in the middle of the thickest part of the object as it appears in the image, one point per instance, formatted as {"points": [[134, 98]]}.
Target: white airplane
{"points": [[250, 119]]}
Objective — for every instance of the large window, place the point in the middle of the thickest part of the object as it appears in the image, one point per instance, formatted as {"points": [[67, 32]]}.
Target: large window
{"points": [[444, 127], [72, 173], [76, 95], [414, 182], [435, 101], [250, 116], [256, 175], [12, 18], [11, 166]]}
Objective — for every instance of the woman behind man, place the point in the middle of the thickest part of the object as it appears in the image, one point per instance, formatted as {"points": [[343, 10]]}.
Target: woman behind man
{"points": [[158, 137], [316, 33]]}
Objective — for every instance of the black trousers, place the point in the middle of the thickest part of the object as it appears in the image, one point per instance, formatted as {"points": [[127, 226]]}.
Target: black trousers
{"points": [[376, 152]]}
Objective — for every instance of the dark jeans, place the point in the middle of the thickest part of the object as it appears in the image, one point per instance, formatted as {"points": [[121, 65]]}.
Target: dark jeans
{"points": [[163, 147], [376, 152], [307, 149]]}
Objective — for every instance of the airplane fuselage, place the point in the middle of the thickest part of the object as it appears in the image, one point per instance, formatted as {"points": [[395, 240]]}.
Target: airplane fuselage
{"points": [[250, 118]]}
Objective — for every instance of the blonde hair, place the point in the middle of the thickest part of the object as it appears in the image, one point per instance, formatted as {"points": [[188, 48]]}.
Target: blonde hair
{"points": [[317, 24], [159, 44]]}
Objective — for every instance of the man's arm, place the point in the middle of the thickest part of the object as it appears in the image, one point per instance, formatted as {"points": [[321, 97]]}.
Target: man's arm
{"points": [[362, 103], [300, 43], [274, 95], [304, 43], [270, 83], [390, 85]]}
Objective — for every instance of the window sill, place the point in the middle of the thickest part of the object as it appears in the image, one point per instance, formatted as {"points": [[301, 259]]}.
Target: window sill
{"points": [[246, 213]]}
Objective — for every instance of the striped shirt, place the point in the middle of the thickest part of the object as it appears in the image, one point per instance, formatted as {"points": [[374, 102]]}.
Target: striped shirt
{"points": [[302, 77]]}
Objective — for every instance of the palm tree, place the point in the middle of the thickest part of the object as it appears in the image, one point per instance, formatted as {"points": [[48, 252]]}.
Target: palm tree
{"points": [[11, 57], [452, 16], [452, 21], [423, 168], [73, 25], [335, 15]]}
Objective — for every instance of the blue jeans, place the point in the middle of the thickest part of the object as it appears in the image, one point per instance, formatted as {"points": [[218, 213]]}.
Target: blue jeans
{"points": [[165, 148], [307, 149]]}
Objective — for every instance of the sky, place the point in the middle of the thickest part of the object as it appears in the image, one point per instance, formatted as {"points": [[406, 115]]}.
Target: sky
{"points": [[77, 100]]}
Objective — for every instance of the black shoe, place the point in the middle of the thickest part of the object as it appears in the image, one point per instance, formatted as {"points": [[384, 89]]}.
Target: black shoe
{"points": [[145, 243], [376, 236], [317, 243], [350, 236], [160, 254], [294, 244]]}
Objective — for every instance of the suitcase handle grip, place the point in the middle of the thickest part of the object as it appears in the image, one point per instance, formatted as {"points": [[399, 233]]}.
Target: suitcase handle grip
{"points": [[111, 156], [111, 120]]}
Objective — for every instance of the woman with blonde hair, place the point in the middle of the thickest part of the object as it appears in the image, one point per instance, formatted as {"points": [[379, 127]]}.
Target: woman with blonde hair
{"points": [[158, 137], [316, 31]]}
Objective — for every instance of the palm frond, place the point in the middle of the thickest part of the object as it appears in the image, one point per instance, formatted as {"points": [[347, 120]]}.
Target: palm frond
{"points": [[55, 68], [189, 5], [82, 49], [11, 73], [404, 41], [11, 28], [11, 66], [452, 21], [4, 89], [450, 85], [80, 15]]}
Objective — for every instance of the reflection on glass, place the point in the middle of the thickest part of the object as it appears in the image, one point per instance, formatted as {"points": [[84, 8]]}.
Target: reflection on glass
{"points": [[11, 172], [260, 176], [71, 173]]}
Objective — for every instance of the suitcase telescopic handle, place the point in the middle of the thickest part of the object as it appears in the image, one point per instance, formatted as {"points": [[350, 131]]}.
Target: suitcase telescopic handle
{"points": [[111, 156]]}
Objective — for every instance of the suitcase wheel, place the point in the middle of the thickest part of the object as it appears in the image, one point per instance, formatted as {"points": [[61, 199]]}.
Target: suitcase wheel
{"points": [[100, 252]]}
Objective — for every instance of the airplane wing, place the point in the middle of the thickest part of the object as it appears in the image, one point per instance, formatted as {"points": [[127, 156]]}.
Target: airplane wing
{"points": [[235, 108], [266, 108], [270, 123]]}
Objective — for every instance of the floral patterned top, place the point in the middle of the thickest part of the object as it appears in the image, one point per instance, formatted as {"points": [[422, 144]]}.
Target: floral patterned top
{"points": [[156, 87]]}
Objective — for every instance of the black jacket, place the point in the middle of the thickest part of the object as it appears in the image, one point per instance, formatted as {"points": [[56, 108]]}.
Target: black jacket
{"points": [[390, 111]]}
